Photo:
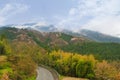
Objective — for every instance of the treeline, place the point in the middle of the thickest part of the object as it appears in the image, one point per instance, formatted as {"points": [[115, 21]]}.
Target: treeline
{"points": [[107, 51], [101, 50], [83, 66]]}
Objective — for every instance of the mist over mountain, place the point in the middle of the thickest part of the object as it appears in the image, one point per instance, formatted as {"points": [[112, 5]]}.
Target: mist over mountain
{"points": [[93, 35], [100, 37]]}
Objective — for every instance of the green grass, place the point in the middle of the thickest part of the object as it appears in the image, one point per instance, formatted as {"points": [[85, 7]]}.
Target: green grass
{"points": [[5, 67], [6, 70], [61, 77], [31, 78]]}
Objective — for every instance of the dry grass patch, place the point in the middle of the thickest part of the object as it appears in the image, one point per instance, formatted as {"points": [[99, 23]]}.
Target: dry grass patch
{"points": [[71, 78], [3, 58]]}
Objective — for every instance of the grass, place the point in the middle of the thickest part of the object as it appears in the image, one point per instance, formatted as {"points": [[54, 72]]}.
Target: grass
{"points": [[61, 77], [31, 78], [5, 66], [5, 70], [71, 78], [3, 58]]}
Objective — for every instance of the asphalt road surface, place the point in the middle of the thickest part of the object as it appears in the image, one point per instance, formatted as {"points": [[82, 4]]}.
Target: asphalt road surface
{"points": [[44, 74]]}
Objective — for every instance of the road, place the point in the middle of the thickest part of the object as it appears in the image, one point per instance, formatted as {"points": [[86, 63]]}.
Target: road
{"points": [[44, 74]]}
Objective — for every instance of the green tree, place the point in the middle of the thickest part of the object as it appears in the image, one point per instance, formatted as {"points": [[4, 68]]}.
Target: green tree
{"points": [[84, 69], [4, 45]]}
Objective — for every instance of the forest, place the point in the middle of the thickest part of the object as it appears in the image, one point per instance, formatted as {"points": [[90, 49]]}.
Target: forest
{"points": [[19, 59], [14, 66]]}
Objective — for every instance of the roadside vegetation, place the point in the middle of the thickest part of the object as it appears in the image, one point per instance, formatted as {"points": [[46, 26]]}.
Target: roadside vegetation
{"points": [[81, 66]]}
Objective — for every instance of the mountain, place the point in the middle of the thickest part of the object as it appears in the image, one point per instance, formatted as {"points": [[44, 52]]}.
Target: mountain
{"points": [[46, 38], [36, 26], [49, 28], [99, 37], [91, 35], [49, 41]]}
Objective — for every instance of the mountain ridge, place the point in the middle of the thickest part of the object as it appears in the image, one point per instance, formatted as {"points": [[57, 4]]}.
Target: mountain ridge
{"points": [[92, 35], [49, 41]]}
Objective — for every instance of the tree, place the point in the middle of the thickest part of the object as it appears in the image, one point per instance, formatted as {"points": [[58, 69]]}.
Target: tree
{"points": [[84, 69], [4, 46], [105, 71], [2, 49], [23, 68]]}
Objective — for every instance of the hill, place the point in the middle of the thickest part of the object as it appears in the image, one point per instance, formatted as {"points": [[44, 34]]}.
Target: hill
{"points": [[44, 39], [92, 35], [67, 54], [99, 37], [50, 41]]}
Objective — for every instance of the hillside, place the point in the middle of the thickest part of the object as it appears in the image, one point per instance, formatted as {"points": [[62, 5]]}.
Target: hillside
{"points": [[44, 39], [69, 55], [56, 40], [16, 60], [93, 35], [89, 34], [99, 37]]}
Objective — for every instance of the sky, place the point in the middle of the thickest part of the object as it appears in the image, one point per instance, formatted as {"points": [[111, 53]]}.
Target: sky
{"points": [[97, 15]]}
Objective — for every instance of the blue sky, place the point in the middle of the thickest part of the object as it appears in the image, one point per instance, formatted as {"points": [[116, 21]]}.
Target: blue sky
{"points": [[36, 10], [98, 15]]}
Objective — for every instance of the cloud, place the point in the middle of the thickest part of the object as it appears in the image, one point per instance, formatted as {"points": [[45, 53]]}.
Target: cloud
{"points": [[72, 11], [98, 15], [110, 25], [9, 10], [41, 24], [2, 20]]}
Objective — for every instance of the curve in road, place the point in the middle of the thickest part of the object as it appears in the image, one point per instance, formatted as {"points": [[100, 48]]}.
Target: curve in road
{"points": [[44, 74]]}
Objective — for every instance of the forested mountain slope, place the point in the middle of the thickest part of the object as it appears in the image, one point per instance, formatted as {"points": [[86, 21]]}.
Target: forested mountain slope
{"points": [[56, 40]]}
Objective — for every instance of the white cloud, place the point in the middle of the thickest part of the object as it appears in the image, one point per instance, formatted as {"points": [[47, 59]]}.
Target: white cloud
{"points": [[72, 11], [41, 24], [99, 15], [109, 25], [9, 10], [2, 20]]}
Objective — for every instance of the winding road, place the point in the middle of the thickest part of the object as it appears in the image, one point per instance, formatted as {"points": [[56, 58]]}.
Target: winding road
{"points": [[44, 74]]}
